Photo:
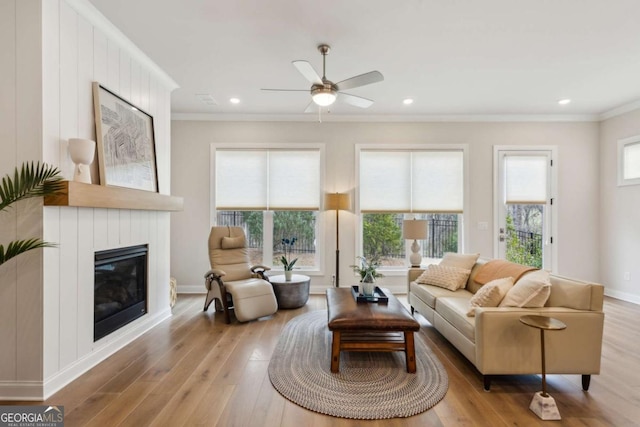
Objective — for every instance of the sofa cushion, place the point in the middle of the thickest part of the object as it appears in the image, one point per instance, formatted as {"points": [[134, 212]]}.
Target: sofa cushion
{"points": [[454, 310], [490, 294], [532, 290], [429, 293], [572, 294], [501, 268], [464, 261], [447, 277]]}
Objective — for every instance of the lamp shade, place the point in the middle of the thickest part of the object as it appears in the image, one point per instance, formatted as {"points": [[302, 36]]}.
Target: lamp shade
{"points": [[337, 201], [414, 229], [323, 96]]}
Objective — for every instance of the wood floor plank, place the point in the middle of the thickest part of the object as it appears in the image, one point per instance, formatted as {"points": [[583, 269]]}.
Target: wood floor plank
{"points": [[194, 369]]}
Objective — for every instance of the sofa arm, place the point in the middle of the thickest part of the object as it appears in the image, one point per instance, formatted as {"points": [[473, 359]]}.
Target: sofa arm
{"points": [[504, 345], [412, 275]]}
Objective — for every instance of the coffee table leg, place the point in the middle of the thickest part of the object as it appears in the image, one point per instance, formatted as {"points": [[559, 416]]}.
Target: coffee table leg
{"points": [[335, 352], [410, 351]]}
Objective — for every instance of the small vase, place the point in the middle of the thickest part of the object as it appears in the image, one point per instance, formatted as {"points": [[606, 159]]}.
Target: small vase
{"points": [[368, 285], [287, 275]]}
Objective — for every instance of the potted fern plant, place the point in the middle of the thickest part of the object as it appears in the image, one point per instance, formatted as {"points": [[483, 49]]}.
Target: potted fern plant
{"points": [[30, 180]]}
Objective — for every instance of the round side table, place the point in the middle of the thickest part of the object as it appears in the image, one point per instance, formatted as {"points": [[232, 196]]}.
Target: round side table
{"points": [[291, 294], [543, 405]]}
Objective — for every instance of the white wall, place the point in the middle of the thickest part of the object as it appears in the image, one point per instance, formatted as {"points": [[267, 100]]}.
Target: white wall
{"points": [[619, 224], [20, 140], [54, 50], [577, 187]]}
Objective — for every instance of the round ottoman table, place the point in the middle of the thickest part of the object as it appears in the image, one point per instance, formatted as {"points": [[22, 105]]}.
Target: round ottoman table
{"points": [[291, 294]]}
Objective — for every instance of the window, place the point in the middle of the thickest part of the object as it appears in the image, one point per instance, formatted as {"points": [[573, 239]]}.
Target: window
{"points": [[382, 237], [397, 184], [273, 194], [629, 161]]}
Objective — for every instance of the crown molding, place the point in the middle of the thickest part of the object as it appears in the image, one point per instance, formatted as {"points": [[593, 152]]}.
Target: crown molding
{"points": [[618, 111], [384, 118], [95, 17]]}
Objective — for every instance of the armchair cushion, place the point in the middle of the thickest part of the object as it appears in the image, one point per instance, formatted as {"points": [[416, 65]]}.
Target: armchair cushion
{"points": [[233, 242]]}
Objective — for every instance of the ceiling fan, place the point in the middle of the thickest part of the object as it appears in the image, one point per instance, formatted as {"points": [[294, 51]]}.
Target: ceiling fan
{"points": [[324, 92]]}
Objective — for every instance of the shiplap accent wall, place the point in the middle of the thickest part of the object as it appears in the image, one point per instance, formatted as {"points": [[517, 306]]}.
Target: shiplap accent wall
{"points": [[53, 332]]}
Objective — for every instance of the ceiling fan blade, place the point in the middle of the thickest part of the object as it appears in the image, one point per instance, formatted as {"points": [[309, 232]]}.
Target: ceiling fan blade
{"points": [[361, 80], [287, 90], [311, 108], [357, 101], [307, 71]]}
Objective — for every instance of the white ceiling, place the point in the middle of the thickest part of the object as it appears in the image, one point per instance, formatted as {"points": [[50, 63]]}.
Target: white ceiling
{"points": [[454, 57]]}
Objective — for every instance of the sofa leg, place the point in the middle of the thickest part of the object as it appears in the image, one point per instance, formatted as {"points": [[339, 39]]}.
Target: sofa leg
{"points": [[412, 310], [487, 382], [586, 380]]}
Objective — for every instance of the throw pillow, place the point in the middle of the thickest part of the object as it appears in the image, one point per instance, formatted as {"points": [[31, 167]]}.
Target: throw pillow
{"points": [[451, 278], [490, 294], [232, 242], [532, 290], [464, 261]]}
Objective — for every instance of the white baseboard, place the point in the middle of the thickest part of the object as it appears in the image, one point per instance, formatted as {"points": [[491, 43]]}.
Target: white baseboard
{"points": [[624, 296], [192, 289], [21, 390], [101, 352]]}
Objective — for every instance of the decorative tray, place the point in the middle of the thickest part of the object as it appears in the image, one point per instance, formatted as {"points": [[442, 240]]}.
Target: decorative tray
{"points": [[378, 296]]}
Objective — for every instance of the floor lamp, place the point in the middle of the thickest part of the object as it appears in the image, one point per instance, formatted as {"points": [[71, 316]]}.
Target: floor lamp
{"points": [[337, 202]]}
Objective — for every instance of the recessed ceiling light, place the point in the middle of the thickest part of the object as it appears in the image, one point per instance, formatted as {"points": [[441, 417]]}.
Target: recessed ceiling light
{"points": [[234, 100], [407, 101], [564, 101]]}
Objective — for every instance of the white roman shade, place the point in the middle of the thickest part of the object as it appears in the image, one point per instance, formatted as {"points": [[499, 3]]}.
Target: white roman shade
{"points": [[426, 181], [271, 179], [526, 179]]}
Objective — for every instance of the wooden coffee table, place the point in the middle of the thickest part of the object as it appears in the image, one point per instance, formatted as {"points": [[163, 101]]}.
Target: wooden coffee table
{"points": [[369, 326]]}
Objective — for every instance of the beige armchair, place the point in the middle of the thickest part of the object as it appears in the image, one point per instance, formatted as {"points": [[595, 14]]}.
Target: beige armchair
{"points": [[231, 282]]}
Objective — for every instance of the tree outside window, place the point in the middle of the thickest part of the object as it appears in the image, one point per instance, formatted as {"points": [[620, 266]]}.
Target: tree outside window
{"points": [[382, 237]]}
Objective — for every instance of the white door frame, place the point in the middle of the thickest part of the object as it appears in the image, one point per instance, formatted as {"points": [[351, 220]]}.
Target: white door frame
{"points": [[552, 226]]}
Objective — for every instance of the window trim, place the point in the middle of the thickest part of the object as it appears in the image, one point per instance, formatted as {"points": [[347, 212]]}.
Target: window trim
{"points": [[463, 227], [622, 144], [319, 269]]}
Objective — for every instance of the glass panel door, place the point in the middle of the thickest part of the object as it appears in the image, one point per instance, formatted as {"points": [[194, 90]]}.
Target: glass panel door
{"points": [[523, 207]]}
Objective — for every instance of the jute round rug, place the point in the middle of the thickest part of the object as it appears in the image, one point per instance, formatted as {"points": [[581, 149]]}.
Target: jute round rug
{"points": [[370, 385]]}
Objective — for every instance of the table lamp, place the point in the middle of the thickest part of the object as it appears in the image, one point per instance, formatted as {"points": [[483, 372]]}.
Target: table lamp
{"points": [[415, 229]]}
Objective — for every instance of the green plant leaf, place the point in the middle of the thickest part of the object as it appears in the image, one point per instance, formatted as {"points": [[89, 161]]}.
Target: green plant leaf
{"points": [[18, 247], [31, 180]]}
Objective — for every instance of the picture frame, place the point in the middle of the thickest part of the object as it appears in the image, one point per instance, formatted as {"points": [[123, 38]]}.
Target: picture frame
{"points": [[629, 161], [125, 142]]}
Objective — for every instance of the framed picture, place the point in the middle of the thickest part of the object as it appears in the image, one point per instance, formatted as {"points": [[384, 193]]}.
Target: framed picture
{"points": [[629, 161], [126, 143]]}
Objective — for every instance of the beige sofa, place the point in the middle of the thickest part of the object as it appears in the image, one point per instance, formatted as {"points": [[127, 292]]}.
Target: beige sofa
{"points": [[497, 343]]}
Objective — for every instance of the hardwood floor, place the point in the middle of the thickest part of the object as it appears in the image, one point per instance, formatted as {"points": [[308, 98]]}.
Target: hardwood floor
{"points": [[194, 370]]}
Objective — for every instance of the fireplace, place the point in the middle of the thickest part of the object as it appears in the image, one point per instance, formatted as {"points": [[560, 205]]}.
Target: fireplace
{"points": [[120, 288]]}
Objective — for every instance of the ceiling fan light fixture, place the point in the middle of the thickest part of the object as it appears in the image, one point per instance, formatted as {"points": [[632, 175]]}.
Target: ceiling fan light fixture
{"points": [[323, 96]]}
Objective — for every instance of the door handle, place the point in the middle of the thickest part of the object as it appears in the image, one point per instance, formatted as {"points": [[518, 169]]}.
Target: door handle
{"points": [[501, 235]]}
